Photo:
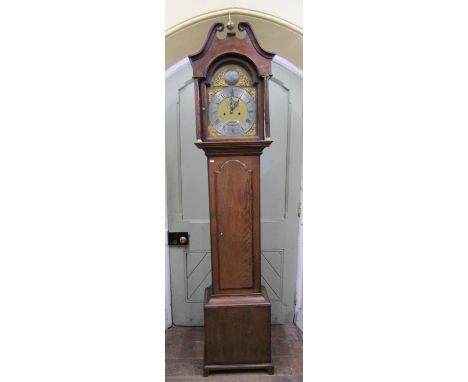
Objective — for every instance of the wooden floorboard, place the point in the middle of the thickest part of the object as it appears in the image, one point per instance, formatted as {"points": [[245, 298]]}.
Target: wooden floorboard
{"points": [[184, 357]]}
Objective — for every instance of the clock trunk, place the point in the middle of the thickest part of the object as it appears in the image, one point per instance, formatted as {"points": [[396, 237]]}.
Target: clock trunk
{"points": [[234, 185]]}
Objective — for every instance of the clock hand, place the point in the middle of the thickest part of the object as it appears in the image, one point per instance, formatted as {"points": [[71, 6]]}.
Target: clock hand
{"points": [[232, 105]]}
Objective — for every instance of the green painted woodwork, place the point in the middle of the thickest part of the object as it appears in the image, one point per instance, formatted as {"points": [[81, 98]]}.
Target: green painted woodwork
{"points": [[187, 197]]}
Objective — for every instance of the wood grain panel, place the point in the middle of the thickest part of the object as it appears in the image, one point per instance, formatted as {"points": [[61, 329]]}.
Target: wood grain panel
{"points": [[235, 224], [237, 330]]}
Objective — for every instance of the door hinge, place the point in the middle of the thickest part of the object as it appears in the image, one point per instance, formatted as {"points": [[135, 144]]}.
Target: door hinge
{"points": [[299, 210]]}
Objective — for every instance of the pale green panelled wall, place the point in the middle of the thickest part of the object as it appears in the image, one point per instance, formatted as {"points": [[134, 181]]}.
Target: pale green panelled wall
{"points": [[187, 197]]}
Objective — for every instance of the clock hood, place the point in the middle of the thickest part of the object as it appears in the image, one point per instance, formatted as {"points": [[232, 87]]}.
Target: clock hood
{"points": [[214, 48]]}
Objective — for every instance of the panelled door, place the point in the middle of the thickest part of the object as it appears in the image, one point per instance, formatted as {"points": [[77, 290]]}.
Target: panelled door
{"points": [[187, 197]]}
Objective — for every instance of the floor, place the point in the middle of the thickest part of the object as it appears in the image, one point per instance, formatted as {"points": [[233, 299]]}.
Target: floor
{"points": [[184, 357]]}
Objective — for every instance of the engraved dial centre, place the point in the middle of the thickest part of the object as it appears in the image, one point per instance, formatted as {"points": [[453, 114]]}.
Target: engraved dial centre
{"points": [[232, 111]]}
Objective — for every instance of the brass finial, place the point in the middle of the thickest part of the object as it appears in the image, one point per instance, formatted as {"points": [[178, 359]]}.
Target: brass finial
{"points": [[230, 24]]}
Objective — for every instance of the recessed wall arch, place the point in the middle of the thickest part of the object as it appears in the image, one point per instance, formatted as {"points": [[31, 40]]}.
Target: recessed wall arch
{"points": [[277, 35]]}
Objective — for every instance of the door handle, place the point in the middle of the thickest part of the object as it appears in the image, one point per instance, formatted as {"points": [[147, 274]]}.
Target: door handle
{"points": [[178, 238]]}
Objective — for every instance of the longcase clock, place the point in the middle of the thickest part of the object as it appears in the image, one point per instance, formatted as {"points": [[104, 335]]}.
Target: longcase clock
{"points": [[232, 126]]}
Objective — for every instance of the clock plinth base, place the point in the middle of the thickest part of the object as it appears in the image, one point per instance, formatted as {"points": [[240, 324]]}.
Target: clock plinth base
{"points": [[268, 367], [237, 332]]}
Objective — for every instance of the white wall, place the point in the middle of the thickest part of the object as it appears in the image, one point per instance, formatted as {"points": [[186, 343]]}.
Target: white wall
{"points": [[182, 10]]}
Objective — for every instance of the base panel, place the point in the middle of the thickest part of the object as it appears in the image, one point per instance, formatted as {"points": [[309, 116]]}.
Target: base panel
{"points": [[237, 332], [259, 366]]}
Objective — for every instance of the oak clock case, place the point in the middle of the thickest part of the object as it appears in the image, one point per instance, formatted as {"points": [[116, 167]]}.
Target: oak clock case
{"points": [[232, 127]]}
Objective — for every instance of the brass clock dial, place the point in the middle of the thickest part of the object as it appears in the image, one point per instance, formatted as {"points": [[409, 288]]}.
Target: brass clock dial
{"points": [[232, 103], [232, 111]]}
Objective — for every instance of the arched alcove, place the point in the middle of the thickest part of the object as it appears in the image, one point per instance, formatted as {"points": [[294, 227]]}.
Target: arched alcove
{"points": [[277, 35], [283, 38]]}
